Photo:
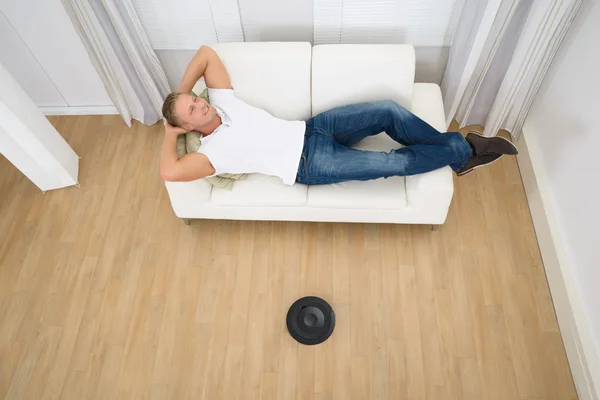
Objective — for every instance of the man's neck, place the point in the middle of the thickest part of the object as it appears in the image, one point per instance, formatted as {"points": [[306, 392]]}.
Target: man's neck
{"points": [[209, 130]]}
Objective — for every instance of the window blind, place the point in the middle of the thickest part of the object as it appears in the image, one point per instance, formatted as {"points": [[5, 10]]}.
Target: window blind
{"points": [[188, 24], [417, 22]]}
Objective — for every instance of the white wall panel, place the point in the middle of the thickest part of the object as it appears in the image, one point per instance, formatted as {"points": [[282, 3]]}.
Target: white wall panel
{"points": [[430, 63], [22, 65], [49, 34], [30, 142], [174, 63]]}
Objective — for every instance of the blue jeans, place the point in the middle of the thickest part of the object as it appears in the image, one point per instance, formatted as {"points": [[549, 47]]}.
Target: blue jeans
{"points": [[327, 156]]}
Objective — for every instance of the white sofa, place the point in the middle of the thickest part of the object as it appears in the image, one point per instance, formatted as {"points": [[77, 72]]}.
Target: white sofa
{"points": [[297, 81]]}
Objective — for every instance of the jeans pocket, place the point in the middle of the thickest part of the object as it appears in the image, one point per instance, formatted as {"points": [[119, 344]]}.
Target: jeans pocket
{"points": [[304, 165]]}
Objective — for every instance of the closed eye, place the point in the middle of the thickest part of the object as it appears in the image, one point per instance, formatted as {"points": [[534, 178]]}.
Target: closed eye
{"points": [[192, 108]]}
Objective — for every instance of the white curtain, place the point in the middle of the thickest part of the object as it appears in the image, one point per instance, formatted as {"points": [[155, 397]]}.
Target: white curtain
{"points": [[501, 52], [122, 55]]}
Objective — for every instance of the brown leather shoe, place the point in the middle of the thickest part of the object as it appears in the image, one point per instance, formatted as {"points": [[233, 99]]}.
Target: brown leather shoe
{"points": [[478, 161], [496, 144]]}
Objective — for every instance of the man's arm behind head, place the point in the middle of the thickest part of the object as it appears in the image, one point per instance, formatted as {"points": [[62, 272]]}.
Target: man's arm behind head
{"points": [[205, 63], [190, 167]]}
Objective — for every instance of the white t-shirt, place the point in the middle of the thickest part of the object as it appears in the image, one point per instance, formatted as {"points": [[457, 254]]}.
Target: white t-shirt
{"points": [[251, 140]]}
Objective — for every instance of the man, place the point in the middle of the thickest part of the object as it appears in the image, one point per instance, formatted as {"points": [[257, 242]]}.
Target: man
{"points": [[239, 138]]}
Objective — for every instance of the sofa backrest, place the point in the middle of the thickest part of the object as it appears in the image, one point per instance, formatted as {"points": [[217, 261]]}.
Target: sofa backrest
{"points": [[293, 80], [272, 76], [355, 73]]}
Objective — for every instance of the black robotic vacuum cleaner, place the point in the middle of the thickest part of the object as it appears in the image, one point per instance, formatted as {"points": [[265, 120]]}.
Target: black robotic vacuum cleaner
{"points": [[310, 320]]}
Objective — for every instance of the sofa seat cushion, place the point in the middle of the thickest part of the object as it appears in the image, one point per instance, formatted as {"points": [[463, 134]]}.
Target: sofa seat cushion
{"points": [[378, 194], [260, 191]]}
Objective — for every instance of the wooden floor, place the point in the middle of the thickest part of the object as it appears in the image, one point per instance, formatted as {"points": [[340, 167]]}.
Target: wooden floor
{"points": [[105, 294]]}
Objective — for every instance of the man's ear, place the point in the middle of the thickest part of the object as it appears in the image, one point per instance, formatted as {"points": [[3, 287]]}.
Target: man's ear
{"points": [[187, 127]]}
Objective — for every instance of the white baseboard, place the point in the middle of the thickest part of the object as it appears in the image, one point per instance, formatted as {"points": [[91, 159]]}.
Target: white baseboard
{"points": [[575, 331], [82, 110]]}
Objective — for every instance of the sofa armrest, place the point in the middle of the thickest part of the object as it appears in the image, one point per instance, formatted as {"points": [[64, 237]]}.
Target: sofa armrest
{"points": [[186, 196], [431, 192]]}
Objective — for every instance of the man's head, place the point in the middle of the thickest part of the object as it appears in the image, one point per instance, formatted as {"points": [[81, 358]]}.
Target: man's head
{"points": [[189, 112]]}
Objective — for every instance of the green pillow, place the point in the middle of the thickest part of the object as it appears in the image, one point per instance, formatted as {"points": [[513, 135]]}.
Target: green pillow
{"points": [[226, 181], [181, 146], [190, 143]]}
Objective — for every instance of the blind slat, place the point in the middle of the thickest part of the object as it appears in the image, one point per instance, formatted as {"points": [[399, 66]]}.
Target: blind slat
{"points": [[417, 22], [188, 24]]}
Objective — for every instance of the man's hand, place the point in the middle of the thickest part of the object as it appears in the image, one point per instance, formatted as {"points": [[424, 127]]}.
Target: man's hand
{"points": [[174, 130]]}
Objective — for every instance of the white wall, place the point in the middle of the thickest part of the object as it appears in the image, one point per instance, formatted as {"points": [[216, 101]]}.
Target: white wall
{"points": [[22, 65], [40, 32], [42, 50], [293, 21], [277, 20], [430, 63], [564, 125], [30, 142]]}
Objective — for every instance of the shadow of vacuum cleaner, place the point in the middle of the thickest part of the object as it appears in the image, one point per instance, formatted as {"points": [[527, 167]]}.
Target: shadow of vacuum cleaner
{"points": [[310, 320]]}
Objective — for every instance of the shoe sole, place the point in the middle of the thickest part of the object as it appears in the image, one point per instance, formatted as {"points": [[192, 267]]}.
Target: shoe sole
{"points": [[510, 149], [480, 165]]}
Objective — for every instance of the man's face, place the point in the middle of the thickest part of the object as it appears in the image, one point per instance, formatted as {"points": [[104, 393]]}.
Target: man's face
{"points": [[194, 113]]}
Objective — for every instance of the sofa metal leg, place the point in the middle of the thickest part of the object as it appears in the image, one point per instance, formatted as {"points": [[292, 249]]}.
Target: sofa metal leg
{"points": [[186, 221], [434, 227]]}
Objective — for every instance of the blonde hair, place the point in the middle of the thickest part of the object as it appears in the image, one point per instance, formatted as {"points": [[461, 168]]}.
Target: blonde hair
{"points": [[168, 108]]}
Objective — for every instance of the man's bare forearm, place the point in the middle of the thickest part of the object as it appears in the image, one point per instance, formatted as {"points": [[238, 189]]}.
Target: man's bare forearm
{"points": [[196, 69], [168, 156]]}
